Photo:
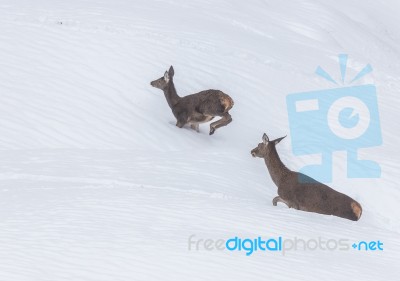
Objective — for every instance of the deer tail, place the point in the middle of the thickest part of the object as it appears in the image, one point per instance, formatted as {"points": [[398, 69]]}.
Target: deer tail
{"points": [[357, 210]]}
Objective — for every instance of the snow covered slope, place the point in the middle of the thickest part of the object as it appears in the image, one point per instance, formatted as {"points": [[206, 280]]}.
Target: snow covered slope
{"points": [[96, 181]]}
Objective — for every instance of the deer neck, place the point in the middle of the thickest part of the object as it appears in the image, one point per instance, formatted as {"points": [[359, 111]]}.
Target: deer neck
{"points": [[276, 168], [171, 95]]}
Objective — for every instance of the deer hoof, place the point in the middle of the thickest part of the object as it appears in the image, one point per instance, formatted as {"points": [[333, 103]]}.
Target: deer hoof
{"points": [[212, 131]]}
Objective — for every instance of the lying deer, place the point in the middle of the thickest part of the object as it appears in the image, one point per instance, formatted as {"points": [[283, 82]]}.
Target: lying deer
{"points": [[197, 108], [301, 192]]}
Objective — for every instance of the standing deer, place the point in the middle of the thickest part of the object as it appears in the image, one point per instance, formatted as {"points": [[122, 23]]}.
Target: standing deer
{"points": [[301, 192], [196, 108]]}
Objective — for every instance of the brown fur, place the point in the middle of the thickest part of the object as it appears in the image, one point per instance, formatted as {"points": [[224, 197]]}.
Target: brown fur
{"points": [[302, 192], [196, 108]]}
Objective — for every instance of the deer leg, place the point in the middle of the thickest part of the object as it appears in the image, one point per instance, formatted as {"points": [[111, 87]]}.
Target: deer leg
{"points": [[195, 127], [181, 119], [289, 204], [180, 124], [278, 199], [294, 206], [225, 120]]}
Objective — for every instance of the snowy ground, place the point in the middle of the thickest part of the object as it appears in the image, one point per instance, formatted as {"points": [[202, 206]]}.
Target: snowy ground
{"points": [[96, 182]]}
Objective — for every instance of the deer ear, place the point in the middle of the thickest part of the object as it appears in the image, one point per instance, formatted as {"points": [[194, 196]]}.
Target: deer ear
{"points": [[171, 71], [278, 140], [166, 76], [265, 138]]}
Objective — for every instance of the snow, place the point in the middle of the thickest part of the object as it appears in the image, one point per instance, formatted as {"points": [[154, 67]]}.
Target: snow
{"points": [[96, 181]]}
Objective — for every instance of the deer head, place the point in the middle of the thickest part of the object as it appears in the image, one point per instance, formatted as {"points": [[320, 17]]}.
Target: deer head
{"points": [[163, 82], [263, 148]]}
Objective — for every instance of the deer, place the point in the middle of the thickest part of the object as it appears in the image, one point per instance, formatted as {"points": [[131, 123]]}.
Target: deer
{"points": [[302, 192], [196, 108]]}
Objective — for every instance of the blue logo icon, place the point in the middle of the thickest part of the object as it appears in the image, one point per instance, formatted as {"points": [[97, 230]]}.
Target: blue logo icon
{"points": [[338, 119]]}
